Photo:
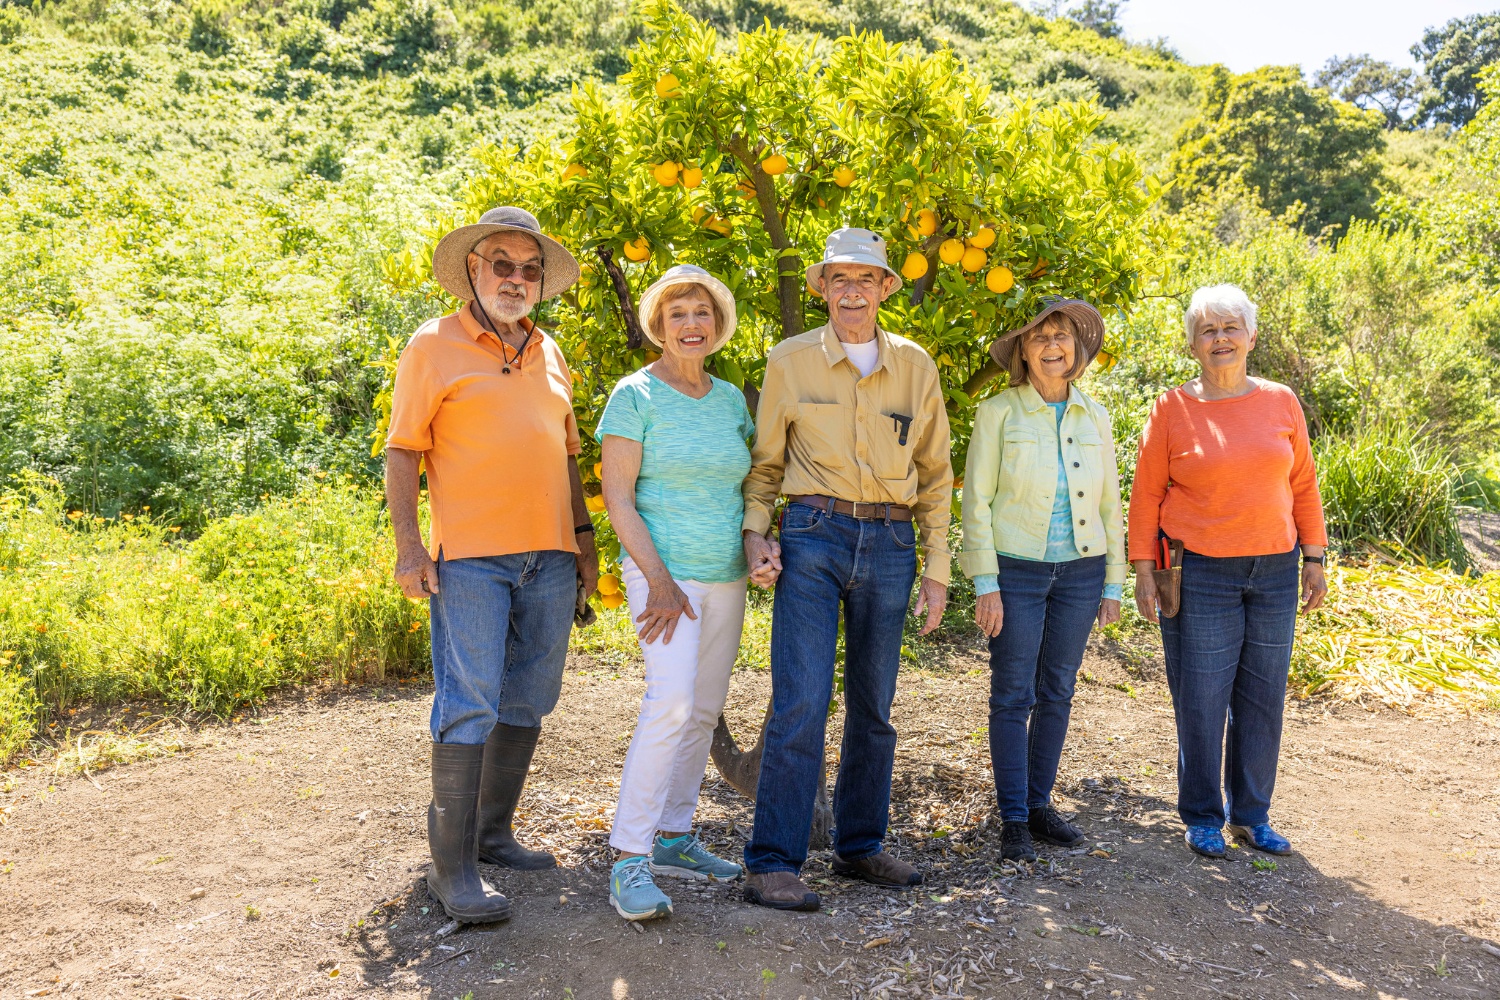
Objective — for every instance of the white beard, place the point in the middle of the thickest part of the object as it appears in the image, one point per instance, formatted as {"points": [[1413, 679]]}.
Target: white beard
{"points": [[505, 309]]}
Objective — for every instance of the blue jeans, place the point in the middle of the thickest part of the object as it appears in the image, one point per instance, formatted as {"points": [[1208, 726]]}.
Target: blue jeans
{"points": [[1228, 651], [868, 567], [1049, 610], [500, 627]]}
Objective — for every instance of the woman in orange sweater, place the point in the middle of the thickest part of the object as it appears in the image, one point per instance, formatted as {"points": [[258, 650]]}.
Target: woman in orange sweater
{"points": [[1225, 468]]}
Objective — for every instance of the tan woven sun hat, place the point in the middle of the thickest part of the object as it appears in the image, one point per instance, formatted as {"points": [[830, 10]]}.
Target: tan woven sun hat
{"points": [[1088, 328], [450, 261], [689, 274]]}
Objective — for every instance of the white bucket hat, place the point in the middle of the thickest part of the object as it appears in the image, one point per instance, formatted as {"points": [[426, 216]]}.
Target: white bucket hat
{"points": [[689, 274], [450, 260], [852, 246]]}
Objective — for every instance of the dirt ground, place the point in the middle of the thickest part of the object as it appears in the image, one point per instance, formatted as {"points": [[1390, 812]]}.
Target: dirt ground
{"points": [[284, 857]]}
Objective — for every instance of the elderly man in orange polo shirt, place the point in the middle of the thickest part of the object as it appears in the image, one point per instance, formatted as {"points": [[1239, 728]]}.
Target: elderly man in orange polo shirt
{"points": [[486, 399]]}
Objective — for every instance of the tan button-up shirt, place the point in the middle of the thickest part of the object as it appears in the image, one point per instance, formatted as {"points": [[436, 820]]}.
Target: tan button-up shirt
{"points": [[823, 429]]}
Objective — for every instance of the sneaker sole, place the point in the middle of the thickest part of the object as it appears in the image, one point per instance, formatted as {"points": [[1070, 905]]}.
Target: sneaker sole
{"points": [[1242, 834], [1056, 842], [809, 904], [662, 910], [673, 871], [1199, 850]]}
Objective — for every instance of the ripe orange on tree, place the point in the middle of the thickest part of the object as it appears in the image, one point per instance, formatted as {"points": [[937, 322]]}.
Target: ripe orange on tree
{"points": [[914, 266], [973, 259], [843, 176], [668, 87], [665, 173], [638, 249], [775, 164], [692, 177], [951, 252], [999, 280], [983, 238]]}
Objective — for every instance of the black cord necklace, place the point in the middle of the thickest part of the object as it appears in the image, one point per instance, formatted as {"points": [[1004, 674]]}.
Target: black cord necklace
{"points": [[506, 361]]}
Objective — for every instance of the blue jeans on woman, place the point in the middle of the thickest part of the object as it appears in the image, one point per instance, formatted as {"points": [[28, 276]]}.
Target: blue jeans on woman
{"points": [[1228, 651], [867, 567], [500, 627], [1049, 609]]}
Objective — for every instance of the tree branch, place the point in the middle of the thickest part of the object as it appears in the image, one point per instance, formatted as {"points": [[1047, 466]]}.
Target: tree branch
{"points": [[989, 370], [923, 285], [788, 266], [634, 337]]}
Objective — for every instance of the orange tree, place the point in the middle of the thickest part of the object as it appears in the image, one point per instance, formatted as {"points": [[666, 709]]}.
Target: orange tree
{"points": [[742, 158]]}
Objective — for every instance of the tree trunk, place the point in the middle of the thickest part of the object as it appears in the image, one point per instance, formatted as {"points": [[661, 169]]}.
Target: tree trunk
{"points": [[741, 768], [634, 337], [788, 265]]}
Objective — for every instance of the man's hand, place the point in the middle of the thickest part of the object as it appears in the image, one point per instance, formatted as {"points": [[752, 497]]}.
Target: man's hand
{"points": [[932, 597], [1109, 612], [416, 573], [1145, 590], [1314, 586], [588, 563], [764, 556], [989, 613]]}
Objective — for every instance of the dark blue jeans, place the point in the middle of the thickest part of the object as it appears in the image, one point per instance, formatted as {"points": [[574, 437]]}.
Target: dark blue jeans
{"points": [[1049, 610], [868, 567], [500, 627], [1228, 651]]}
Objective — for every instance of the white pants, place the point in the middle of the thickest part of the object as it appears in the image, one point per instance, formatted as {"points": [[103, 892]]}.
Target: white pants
{"points": [[687, 681]]}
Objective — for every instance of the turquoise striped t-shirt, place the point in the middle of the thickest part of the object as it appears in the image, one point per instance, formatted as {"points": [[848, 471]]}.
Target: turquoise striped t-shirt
{"points": [[694, 457]]}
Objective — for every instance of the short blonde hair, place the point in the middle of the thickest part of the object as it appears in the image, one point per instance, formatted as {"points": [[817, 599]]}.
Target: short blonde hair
{"points": [[1219, 300], [1020, 371], [682, 290]]}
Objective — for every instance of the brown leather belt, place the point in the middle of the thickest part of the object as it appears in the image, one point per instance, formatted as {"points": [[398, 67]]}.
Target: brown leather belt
{"points": [[857, 509]]}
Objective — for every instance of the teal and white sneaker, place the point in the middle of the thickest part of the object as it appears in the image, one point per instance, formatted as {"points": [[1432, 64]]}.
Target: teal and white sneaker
{"points": [[685, 857], [634, 894]]}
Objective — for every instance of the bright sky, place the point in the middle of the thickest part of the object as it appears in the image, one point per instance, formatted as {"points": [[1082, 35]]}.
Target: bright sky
{"points": [[1244, 34]]}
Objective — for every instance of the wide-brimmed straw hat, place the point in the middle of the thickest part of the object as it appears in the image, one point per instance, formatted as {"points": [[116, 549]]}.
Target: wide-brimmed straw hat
{"points": [[852, 246], [1088, 329], [689, 274], [450, 261]]}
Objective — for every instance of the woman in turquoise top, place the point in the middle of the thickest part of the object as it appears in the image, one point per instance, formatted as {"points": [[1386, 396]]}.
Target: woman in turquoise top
{"points": [[674, 456], [1044, 541]]}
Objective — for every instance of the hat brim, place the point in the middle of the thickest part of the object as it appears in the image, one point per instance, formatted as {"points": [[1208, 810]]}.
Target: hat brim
{"points": [[1087, 323], [816, 270], [713, 286], [450, 259]]}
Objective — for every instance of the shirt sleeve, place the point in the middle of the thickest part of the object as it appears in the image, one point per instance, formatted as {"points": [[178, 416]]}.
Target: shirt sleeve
{"points": [[1307, 501], [623, 414], [1150, 487], [1110, 508], [415, 399], [981, 483], [768, 455], [933, 506]]}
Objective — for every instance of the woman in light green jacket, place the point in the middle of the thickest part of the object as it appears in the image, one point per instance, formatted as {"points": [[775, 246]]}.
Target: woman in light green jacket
{"points": [[1044, 542]]}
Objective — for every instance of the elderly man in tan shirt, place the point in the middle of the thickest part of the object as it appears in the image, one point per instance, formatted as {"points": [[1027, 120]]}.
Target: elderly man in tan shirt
{"points": [[851, 429]]}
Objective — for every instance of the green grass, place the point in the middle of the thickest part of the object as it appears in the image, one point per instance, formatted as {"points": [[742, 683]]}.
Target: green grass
{"points": [[1389, 486]]}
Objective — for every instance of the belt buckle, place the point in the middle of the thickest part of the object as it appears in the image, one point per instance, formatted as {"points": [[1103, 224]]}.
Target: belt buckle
{"points": [[859, 516]]}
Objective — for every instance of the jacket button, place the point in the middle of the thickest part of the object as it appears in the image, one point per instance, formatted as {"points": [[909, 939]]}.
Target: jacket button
{"points": [[1070, 440], [1081, 523], [1075, 465], [1085, 548], [1080, 493]]}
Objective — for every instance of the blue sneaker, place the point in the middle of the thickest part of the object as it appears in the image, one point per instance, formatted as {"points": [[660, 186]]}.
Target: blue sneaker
{"points": [[632, 892], [686, 857], [1206, 840], [1262, 838]]}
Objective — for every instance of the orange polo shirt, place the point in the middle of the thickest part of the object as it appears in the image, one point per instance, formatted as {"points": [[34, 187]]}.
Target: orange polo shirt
{"points": [[496, 445]]}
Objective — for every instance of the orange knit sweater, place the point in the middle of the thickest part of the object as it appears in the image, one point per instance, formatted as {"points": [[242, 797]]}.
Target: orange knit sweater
{"points": [[1229, 477]]}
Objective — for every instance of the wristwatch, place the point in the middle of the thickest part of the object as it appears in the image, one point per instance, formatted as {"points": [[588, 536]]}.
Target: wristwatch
{"points": [[1313, 559]]}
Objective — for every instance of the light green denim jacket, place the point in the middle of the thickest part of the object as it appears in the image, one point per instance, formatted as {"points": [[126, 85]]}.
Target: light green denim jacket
{"points": [[1010, 481]]}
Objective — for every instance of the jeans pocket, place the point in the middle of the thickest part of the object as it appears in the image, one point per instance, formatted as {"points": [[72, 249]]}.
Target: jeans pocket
{"points": [[903, 534], [799, 517]]}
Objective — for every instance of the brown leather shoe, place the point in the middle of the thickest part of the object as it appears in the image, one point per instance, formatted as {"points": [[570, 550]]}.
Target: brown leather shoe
{"points": [[879, 869], [780, 891]]}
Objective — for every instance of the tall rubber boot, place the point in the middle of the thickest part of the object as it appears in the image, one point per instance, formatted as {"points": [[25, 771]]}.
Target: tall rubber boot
{"points": [[507, 755], [452, 822]]}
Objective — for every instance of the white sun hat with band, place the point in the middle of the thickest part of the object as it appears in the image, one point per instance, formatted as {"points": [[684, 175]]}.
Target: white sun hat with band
{"points": [[689, 274], [450, 260], [852, 246]]}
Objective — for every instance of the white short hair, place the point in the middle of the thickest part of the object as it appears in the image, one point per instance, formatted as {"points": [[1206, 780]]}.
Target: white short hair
{"points": [[1221, 300]]}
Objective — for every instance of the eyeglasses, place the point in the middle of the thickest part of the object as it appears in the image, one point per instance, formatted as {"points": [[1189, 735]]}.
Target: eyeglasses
{"points": [[505, 268]]}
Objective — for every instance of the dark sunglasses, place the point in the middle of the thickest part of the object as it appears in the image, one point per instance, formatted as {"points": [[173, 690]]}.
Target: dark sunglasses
{"points": [[505, 268]]}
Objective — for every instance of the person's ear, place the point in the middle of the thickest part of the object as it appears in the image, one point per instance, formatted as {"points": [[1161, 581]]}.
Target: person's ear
{"points": [[817, 286], [887, 287], [1254, 335]]}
